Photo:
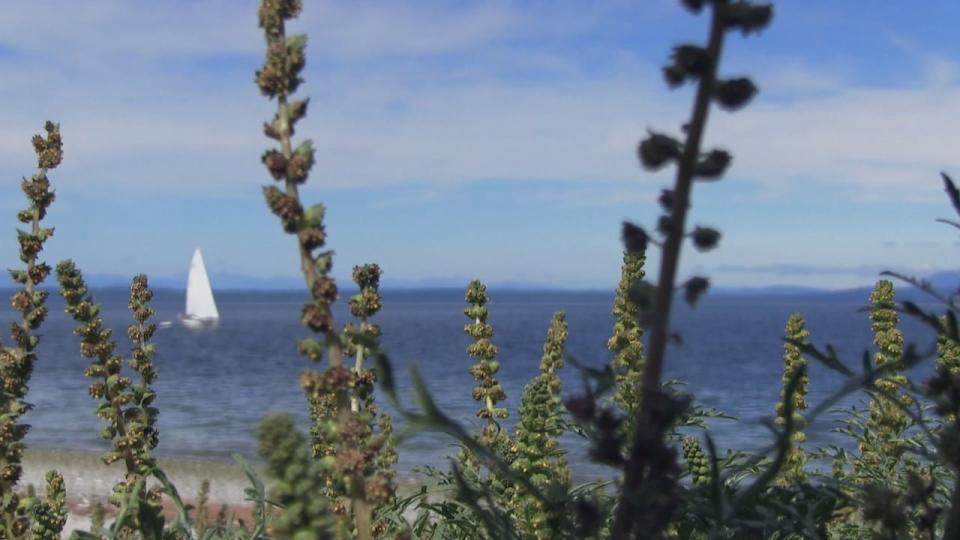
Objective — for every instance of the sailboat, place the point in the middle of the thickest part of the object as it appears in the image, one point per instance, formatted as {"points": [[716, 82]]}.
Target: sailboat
{"points": [[201, 309]]}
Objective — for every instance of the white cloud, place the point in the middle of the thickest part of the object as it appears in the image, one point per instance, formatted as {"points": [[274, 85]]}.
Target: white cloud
{"points": [[357, 30], [123, 79], [885, 143]]}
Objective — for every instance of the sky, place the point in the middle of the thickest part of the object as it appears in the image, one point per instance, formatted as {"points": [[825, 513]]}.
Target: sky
{"points": [[492, 140]]}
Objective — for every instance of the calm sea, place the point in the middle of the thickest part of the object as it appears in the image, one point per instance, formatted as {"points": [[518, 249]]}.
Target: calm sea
{"points": [[215, 385]]}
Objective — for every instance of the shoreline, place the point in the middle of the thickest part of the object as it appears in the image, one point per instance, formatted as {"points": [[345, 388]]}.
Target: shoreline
{"points": [[86, 476], [87, 480]]}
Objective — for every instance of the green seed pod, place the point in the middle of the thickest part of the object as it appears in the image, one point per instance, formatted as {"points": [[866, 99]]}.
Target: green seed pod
{"points": [[696, 459]]}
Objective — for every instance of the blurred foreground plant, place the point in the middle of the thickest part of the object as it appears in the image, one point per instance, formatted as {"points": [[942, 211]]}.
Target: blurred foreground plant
{"points": [[649, 494]]}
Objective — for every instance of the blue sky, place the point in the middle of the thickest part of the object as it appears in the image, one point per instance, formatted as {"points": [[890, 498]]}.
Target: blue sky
{"points": [[485, 139]]}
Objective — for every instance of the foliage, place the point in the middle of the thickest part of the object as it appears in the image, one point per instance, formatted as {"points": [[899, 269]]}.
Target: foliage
{"points": [[627, 340], [794, 363], [536, 451], [899, 480], [649, 494], [299, 479], [488, 390], [126, 407], [17, 362]]}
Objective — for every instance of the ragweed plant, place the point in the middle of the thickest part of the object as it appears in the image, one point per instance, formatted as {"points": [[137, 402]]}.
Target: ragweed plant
{"points": [[48, 514], [649, 493], [488, 390], [330, 485], [881, 445], [793, 363], [489, 393], [17, 362], [363, 305], [948, 351], [126, 407], [537, 455], [554, 350], [280, 78], [536, 451], [627, 340], [303, 514], [373, 444], [337, 430]]}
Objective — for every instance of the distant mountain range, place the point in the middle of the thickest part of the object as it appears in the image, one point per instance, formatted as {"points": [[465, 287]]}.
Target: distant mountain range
{"points": [[947, 282]]}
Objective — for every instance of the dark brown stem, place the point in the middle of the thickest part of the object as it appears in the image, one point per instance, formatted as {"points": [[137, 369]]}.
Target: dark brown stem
{"points": [[668, 270], [684, 185]]}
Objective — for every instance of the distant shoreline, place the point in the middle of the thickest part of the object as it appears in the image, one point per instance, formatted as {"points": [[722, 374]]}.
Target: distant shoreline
{"points": [[455, 294]]}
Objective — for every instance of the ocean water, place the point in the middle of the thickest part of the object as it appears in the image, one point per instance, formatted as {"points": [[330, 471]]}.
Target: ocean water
{"points": [[215, 385]]}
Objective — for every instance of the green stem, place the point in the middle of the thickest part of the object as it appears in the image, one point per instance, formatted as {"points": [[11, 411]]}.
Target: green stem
{"points": [[354, 401], [21, 352], [307, 265], [122, 432], [334, 347]]}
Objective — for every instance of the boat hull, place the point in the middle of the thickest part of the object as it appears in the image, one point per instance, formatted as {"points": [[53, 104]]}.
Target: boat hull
{"points": [[196, 323]]}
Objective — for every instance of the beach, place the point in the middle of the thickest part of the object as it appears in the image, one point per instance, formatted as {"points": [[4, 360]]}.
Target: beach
{"points": [[88, 480]]}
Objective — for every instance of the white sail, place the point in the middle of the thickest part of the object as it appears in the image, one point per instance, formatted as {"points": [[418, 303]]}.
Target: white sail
{"points": [[200, 303]]}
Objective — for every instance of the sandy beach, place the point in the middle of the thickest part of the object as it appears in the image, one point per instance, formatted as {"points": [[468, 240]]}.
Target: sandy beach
{"points": [[88, 480]]}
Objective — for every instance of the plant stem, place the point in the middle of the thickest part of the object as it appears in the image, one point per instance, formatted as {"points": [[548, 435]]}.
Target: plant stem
{"points": [[122, 432], [307, 265], [633, 475], [358, 367], [684, 185]]}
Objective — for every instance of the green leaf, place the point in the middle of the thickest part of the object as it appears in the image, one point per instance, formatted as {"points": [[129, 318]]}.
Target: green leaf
{"points": [[78, 534], [183, 519], [151, 521], [297, 42], [313, 216]]}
